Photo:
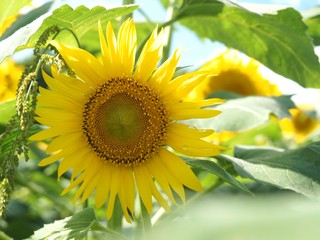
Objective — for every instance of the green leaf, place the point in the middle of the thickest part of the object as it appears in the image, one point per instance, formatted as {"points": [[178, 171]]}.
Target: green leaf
{"points": [[296, 169], [75, 227], [9, 8], [79, 20], [3, 236], [7, 110], [212, 167], [278, 41], [246, 113], [313, 22]]}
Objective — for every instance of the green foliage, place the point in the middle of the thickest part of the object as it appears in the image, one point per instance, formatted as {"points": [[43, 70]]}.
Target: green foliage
{"points": [[278, 41], [79, 20], [212, 167], [74, 227], [313, 22], [296, 169], [246, 113], [7, 111]]}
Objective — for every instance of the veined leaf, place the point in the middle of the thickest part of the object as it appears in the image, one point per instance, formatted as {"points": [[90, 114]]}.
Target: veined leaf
{"points": [[246, 113], [278, 41], [297, 169], [79, 20], [216, 169], [75, 227]]}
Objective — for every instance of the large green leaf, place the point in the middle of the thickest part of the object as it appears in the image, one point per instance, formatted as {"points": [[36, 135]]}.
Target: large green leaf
{"points": [[216, 169], [9, 8], [75, 227], [296, 169], [246, 113], [79, 20], [278, 41]]}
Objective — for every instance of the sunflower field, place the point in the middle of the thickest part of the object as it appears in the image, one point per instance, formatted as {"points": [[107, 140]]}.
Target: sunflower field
{"points": [[161, 119]]}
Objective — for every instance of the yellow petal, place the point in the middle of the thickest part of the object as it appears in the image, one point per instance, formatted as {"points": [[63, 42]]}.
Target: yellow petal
{"points": [[45, 134], [84, 64], [160, 177], [181, 170], [165, 72], [142, 181], [176, 185], [189, 130], [150, 56], [73, 184], [53, 158], [114, 189], [103, 187], [127, 41]]}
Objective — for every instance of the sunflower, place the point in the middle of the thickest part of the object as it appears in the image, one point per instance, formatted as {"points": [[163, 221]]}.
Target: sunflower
{"points": [[10, 74], [301, 124], [117, 124], [7, 23], [234, 72]]}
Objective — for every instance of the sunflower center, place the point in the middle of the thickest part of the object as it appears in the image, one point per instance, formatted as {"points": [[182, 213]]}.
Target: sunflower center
{"points": [[122, 120], [125, 122]]}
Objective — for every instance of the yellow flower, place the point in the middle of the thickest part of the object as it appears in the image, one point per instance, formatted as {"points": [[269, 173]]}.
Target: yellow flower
{"points": [[115, 124], [234, 72], [300, 126], [10, 74]]}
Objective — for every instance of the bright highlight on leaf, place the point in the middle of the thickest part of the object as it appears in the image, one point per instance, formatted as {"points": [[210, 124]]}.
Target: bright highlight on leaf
{"points": [[113, 124]]}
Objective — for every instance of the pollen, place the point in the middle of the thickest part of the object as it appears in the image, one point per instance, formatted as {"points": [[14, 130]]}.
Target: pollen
{"points": [[125, 122]]}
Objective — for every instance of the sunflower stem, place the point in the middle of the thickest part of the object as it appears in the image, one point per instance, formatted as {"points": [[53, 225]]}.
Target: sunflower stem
{"points": [[168, 30], [144, 223], [86, 204], [115, 222]]}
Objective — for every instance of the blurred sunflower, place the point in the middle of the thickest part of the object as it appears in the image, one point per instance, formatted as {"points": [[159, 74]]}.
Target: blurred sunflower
{"points": [[300, 126], [10, 74], [114, 123], [7, 23], [234, 72]]}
